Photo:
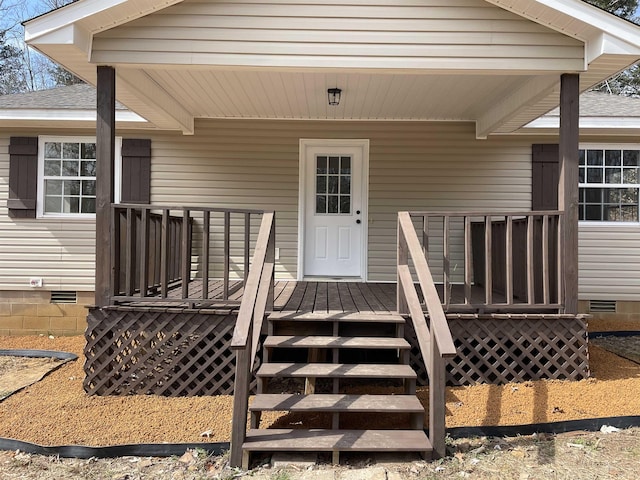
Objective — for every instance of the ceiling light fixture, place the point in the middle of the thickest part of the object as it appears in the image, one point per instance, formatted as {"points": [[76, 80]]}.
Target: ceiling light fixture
{"points": [[334, 96]]}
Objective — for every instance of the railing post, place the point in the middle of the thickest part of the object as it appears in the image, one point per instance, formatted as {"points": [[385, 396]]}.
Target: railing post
{"points": [[530, 262], [446, 261], [130, 252], [247, 241], [271, 258], [488, 261], [144, 252], [403, 259], [185, 262], [508, 243], [227, 253], [206, 240], [560, 261], [545, 259], [165, 250], [114, 253], [467, 260], [437, 399], [241, 385]]}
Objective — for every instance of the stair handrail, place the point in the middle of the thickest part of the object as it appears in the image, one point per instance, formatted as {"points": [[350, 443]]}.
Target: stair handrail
{"points": [[257, 298], [434, 340]]}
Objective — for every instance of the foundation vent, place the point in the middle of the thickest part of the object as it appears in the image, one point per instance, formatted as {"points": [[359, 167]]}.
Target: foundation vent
{"points": [[64, 296], [602, 306]]}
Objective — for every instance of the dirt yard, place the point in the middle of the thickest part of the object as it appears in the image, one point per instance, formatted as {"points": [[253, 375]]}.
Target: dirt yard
{"points": [[56, 411]]}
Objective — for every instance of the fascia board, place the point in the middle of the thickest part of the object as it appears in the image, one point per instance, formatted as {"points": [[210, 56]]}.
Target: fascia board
{"points": [[570, 11], [54, 115], [606, 44], [68, 35], [588, 123], [100, 11], [66, 16]]}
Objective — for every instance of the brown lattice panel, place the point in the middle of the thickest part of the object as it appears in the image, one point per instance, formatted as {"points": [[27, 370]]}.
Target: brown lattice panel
{"points": [[512, 348], [171, 352]]}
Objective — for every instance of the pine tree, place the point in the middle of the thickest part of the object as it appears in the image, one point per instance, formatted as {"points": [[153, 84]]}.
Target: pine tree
{"points": [[11, 78], [621, 8]]}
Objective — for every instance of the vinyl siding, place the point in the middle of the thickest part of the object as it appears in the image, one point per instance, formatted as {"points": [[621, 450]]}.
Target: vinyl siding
{"points": [[445, 34], [413, 166], [609, 259], [62, 252], [254, 164]]}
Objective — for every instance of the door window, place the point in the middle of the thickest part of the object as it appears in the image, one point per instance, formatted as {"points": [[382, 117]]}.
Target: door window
{"points": [[333, 185]]}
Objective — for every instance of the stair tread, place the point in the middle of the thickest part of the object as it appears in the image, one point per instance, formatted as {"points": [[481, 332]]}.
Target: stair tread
{"points": [[337, 403], [337, 440], [294, 341], [386, 317], [335, 370]]}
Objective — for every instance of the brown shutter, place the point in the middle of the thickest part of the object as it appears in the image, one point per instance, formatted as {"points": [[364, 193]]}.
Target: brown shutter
{"points": [[544, 176], [23, 177], [136, 171]]}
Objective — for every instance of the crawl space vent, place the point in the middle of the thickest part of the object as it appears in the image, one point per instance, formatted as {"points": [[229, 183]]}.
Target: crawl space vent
{"points": [[602, 306], [63, 297]]}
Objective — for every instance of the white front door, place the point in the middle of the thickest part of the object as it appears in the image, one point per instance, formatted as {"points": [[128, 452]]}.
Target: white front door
{"points": [[334, 197]]}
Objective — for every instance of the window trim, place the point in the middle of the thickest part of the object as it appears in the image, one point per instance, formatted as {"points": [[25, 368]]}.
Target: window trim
{"points": [[609, 146], [40, 187]]}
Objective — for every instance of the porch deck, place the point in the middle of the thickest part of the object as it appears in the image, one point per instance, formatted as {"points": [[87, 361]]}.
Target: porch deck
{"points": [[325, 297]]}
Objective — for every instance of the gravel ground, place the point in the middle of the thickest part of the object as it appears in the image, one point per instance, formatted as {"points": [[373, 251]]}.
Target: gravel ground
{"points": [[56, 410]]}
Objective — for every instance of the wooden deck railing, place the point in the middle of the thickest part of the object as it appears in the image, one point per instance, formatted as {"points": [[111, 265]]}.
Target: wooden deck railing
{"points": [[257, 299], [513, 256], [435, 340], [158, 252]]}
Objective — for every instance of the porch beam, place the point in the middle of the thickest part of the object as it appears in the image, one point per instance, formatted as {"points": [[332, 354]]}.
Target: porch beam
{"points": [[105, 154], [512, 103], [166, 109], [568, 185]]}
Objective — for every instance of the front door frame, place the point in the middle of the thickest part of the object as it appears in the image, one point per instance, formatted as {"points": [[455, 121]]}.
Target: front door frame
{"points": [[305, 144]]}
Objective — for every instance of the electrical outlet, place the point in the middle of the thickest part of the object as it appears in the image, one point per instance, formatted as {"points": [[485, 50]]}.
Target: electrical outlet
{"points": [[277, 253], [35, 282]]}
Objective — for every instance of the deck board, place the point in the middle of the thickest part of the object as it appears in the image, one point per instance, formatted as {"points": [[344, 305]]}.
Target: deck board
{"points": [[320, 297]]}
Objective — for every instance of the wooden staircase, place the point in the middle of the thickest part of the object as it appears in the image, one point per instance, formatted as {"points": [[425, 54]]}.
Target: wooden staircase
{"points": [[334, 358]]}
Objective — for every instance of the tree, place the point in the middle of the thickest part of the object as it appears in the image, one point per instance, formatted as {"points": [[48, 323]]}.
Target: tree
{"points": [[11, 80], [621, 8], [626, 82], [61, 76], [22, 68]]}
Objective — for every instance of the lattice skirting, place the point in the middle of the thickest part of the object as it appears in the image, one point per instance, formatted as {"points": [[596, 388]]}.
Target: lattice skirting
{"points": [[512, 348], [161, 352]]}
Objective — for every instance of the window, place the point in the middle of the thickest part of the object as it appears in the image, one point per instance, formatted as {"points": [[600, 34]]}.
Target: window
{"points": [[333, 184], [609, 184], [67, 176]]}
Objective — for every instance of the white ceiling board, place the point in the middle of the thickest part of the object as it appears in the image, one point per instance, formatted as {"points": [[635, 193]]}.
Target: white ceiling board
{"points": [[291, 95]]}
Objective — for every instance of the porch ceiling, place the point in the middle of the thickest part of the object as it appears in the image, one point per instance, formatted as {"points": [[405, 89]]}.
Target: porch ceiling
{"points": [[365, 96]]}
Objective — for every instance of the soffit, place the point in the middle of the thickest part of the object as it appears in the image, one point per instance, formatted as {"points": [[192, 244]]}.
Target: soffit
{"points": [[291, 95]]}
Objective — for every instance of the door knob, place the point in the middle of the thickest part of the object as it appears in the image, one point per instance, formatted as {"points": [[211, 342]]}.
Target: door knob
{"points": [[358, 221], [357, 212]]}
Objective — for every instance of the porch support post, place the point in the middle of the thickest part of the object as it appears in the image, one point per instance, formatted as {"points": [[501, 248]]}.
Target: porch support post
{"points": [[105, 152], [568, 185]]}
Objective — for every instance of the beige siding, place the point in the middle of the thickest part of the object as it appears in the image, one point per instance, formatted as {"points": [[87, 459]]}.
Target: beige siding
{"points": [[254, 164], [435, 34], [609, 262], [61, 252], [413, 166]]}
